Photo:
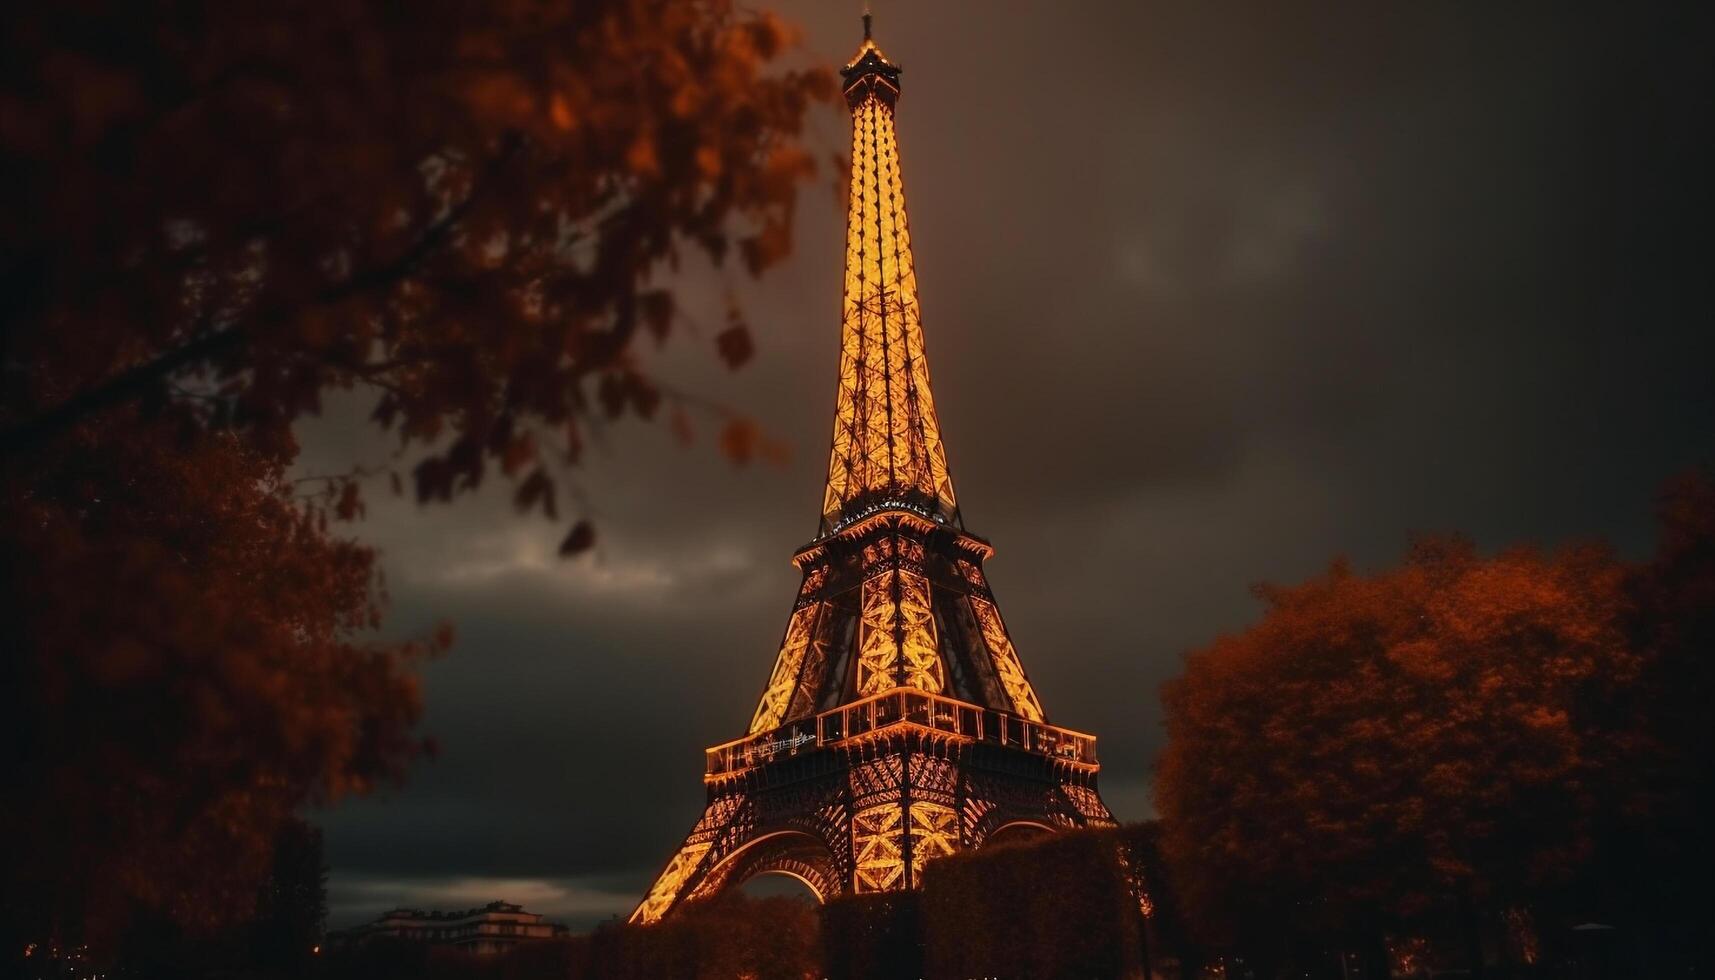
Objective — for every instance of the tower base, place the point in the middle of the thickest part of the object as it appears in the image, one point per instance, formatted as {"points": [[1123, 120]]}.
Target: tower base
{"points": [[864, 813]]}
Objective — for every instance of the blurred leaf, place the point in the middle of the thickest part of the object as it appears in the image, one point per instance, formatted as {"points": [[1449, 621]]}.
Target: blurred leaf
{"points": [[734, 345], [578, 540], [537, 488], [738, 440]]}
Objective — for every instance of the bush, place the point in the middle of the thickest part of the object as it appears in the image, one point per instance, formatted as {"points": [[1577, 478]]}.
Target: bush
{"points": [[1057, 908]]}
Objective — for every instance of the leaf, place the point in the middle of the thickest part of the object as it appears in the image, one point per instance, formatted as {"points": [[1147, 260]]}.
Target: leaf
{"points": [[739, 438], [560, 111], [518, 453], [434, 480], [350, 503], [538, 487], [578, 540], [773, 451], [734, 345]]}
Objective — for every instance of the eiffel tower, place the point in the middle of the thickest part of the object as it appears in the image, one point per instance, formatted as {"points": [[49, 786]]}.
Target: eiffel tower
{"points": [[898, 724]]}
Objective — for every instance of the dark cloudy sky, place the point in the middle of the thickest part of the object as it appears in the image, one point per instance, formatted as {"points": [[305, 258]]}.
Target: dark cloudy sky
{"points": [[1212, 293]]}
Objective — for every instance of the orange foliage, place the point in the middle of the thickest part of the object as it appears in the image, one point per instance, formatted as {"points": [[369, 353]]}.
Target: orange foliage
{"points": [[1377, 742], [183, 672], [458, 207], [216, 213]]}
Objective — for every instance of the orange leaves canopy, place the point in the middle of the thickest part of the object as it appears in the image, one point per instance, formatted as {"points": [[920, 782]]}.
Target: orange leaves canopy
{"points": [[183, 673], [218, 211], [1375, 742], [456, 206]]}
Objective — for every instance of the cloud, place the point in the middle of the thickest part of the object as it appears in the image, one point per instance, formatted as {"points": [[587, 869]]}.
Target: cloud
{"points": [[358, 898], [517, 552], [1244, 229]]}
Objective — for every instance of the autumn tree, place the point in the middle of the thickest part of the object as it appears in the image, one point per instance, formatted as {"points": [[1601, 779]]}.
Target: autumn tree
{"points": [[217, 213], [1379, 745], [185, 667], [463, 208]]}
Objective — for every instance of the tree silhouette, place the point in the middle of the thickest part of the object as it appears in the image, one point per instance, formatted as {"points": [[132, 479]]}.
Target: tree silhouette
{"points": [[291, 909], [1655, 856]]}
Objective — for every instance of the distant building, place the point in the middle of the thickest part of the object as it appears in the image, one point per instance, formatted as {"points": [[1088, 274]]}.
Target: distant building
{"points": [[493, 928]]}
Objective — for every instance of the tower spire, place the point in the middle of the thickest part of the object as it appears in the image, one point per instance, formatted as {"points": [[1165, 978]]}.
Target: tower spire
{"points": [[887, 450]]}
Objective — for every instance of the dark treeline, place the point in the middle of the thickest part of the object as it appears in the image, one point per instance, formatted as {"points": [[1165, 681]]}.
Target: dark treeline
{"points": [[1062, 907]]}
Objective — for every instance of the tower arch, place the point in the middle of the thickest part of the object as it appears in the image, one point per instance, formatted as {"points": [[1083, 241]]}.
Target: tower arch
{"points": [[1018, 831], [794, 853]]}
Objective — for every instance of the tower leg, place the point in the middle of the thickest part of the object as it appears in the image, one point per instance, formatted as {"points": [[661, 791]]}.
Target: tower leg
{"points": [[686, 868], [674, 882]]}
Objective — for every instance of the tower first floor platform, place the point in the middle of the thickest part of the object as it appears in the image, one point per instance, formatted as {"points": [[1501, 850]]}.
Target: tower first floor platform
{"points": [[859, 798]]}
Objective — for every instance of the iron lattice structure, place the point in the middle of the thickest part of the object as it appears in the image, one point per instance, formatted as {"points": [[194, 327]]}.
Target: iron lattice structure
{"points": [[898, 724]]}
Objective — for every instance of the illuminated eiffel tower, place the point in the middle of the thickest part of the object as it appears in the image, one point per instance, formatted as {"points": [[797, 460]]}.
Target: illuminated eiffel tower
{"points": [[898, 724]]}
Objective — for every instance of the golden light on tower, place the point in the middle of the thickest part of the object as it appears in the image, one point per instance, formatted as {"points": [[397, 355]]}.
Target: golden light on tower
{"points": [[897, 724], [887, 439]]}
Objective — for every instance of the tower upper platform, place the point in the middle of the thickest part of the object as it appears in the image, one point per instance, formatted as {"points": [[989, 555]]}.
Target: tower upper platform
{"points": [[870, 73]]}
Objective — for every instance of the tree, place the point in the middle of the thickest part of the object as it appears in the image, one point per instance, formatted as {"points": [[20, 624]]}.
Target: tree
{"points": [[1654, 842], [292, 908], [458, 206], [728, 935], [218, 212], [1374, 746], [1063, 906], [1166, 934], [185, 668]]}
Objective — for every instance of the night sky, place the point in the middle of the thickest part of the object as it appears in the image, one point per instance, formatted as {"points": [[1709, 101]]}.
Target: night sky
{"points": [[1211, 295]]}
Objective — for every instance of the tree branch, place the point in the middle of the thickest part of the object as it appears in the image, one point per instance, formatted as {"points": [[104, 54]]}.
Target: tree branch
{"points": [[134, 382]]}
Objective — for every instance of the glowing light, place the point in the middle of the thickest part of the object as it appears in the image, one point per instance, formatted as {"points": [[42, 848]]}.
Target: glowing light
{"points": [[887, 438], [672, 881], [775, 699], [1006, 661], [878, 856], [896, 642], [934, 834]]}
